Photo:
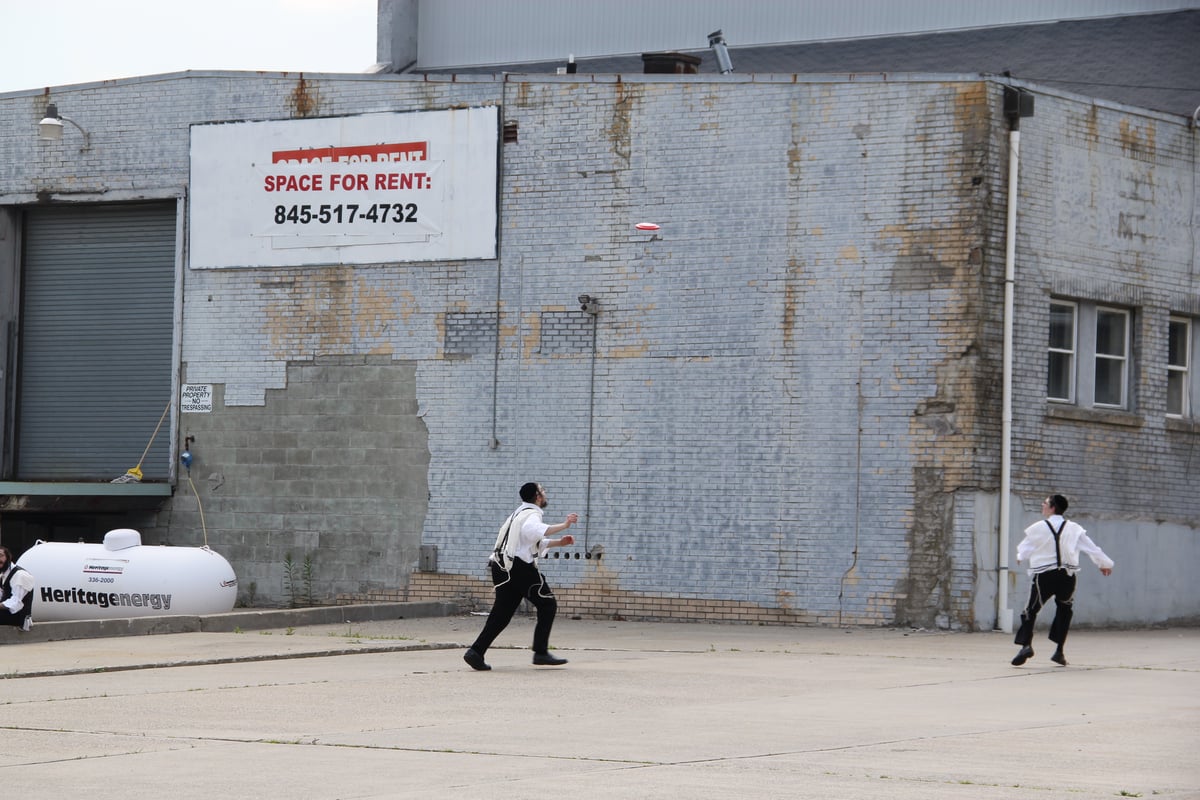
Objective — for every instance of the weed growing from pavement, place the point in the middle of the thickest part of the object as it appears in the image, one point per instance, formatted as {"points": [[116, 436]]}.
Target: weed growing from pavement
{"points": [[293, 576]]}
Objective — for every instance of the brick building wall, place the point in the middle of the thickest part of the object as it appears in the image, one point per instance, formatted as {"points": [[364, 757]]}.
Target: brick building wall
{"points": [[787, 407], [1108, 205]]}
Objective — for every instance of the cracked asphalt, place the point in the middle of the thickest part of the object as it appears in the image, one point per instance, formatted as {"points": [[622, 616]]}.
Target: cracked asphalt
{"points": [[388, 709]]}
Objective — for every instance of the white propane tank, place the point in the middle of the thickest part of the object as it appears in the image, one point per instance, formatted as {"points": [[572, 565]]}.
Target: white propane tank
{"points": [[124, 578]]}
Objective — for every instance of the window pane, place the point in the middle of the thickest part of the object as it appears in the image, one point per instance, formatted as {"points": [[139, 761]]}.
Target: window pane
{"points": [[1177, 349], [1110, 333], [1110, 377], [1062, 327], [1175, 393], [1058, 385]]}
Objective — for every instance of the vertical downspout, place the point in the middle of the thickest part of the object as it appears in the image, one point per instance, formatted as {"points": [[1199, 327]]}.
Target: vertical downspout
{"points": [[587, 502], [494, 441], [1017, 104], [1004, 618]]}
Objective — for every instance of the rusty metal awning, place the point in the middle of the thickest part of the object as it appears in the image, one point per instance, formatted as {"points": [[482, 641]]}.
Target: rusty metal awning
{"points": [[19, 496]]}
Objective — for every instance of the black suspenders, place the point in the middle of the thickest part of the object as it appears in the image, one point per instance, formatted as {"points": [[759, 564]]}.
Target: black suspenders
{"points": [[499, 551], [1057, 533]]}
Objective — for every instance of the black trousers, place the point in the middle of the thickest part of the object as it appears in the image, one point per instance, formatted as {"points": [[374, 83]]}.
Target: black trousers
{"points": [[1056, 583], [524, 582], [18, 619]]}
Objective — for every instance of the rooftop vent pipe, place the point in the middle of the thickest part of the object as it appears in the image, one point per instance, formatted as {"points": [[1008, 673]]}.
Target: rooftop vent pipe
{"points": [[716, 40]]}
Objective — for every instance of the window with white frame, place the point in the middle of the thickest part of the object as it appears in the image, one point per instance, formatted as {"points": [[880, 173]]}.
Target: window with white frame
{"points": [[1089, 354], [1060, 383], [1112, 357], [1179, 352]]}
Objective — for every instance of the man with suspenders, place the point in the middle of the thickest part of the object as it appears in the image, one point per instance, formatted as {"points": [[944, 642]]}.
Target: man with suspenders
{"points": [[522, 539], [1052, 548], [16, 593]]}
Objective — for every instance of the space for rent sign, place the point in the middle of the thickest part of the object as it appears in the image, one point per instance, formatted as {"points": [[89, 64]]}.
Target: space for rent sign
{"points": [[366, 189]]}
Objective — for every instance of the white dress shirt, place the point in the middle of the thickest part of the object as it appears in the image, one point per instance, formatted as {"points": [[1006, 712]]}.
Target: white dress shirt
{"points": [[531, 540], [1038, 547], [22, 584], [523, 536]]}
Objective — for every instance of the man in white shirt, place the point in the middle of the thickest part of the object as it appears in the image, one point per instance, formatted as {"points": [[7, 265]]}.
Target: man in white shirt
{"points": [[16, 593], [1052, 548], [522, 539]]}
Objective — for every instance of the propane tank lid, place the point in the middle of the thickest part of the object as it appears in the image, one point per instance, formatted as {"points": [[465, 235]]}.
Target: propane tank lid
{"points": [[122, 538]]}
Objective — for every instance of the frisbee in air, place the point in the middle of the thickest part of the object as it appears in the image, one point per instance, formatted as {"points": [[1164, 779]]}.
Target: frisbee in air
{"points": [[647, 226]]}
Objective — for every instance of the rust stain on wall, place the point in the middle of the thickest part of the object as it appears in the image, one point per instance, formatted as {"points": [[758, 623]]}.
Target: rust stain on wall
{"points": [[1092, 124], [795, 158], [1031, 455], [791, 299], [533, 334], [305, 99], [1137, 142], [933, 246], [970, 111], [628, 351], [619, 129], [330, 311], [374, 313], [926, 257], [524, 90], [507, 333], [950, 442], [1102, 446], [602, 586]]}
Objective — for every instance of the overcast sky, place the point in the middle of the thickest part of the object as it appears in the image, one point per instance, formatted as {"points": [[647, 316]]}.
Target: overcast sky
{"points": [[61, 42]]}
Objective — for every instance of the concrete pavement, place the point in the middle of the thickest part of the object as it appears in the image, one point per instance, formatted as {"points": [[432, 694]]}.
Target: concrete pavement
{"points": [[385, 708]]}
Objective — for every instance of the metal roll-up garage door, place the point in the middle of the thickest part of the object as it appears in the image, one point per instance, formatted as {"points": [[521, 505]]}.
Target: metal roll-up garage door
{"points": [[95, 341]]}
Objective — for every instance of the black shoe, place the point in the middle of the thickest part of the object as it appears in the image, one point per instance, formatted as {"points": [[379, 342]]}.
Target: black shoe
{"points": [[547, 660], [1023, 655], [475, 660], [1059, 658]]}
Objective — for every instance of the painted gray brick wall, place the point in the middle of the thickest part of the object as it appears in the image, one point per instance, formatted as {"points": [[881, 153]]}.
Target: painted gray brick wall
{"points": [[752, 423], [790, 395], [1107, 202]]}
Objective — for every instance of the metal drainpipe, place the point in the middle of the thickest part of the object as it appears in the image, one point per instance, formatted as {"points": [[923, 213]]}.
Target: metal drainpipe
{"points": [[494, 442], [587, 503], [1003, 612], [1017, 104]]}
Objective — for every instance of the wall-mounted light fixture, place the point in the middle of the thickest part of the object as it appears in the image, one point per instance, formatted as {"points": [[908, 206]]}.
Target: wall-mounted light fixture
{"points": [[589, 304], [51, 127]]}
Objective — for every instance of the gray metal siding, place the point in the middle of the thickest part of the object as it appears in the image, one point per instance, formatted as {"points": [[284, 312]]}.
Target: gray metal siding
{"points": [[95, 342], [470, 32]]}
